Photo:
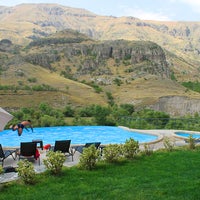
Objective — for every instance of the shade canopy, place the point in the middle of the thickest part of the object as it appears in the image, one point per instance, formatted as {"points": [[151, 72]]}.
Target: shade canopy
{"points": [[5, 117]]}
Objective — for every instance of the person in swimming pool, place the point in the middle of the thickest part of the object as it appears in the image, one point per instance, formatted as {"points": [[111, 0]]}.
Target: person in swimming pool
{"points": [[19, 127]]}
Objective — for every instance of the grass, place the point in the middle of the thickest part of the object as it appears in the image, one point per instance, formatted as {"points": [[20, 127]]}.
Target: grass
{"points": [[163, 175]]}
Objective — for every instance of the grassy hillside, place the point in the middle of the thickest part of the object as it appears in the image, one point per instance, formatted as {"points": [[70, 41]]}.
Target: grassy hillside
{"points": [[44, 51], [139, 88]]}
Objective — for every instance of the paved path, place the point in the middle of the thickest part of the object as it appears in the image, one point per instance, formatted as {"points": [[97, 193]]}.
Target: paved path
{"points": [[9, 162]]}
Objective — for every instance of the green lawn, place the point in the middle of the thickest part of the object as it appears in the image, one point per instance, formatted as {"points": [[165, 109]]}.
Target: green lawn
{"points": [[163, 175]]}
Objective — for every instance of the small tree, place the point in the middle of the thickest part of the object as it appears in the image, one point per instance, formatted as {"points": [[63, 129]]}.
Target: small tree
{"points": [[1, 169], [191, 142], [89, 158], [112, 153], [130, 148], [168, 144], [26, 171], [147, 150], [54, 162]]}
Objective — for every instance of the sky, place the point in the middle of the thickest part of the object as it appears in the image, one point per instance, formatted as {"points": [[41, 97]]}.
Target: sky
{"points": [[161, 10]]}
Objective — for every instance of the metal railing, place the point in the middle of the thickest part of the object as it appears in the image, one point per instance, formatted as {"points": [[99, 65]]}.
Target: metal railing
{"points": [[160, 123]]}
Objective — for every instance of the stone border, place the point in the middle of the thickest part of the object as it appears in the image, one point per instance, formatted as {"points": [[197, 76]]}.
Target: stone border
{"points": [[160, 136], [184, 131]]}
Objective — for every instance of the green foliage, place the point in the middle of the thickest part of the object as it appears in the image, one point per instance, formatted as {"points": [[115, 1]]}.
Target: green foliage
{"points": [[147, 150], [43, 115], [191, 142], [80, 121], [127, 56], [43, 87], [87, 111], [112, 153], [173, 77], [49, 41], [162, 176], [21, 86], [66, 74], [88, 158], [110, 98], [96, 87], [32, 80], [26, 172], [145, 119], [158, 118], [46, 120], [128, 107], [168, 144], [175, 124], [117, 81], [130, 148], [9, 87], [54, 161], [195, 86], [129, 70], [68, 111], [1, 169], [118, 112], [101, 114], [115, 115]]}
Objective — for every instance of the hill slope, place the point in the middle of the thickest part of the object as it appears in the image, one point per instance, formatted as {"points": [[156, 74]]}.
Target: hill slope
{"points": [[26, 22], [38, 49], [68, 68]]}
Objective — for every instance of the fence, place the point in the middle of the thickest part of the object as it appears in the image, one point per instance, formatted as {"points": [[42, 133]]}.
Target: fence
{"points": [[160, 123]]}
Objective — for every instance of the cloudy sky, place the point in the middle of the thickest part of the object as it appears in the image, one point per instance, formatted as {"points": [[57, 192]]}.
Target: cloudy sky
{"points": [[162, 10]]}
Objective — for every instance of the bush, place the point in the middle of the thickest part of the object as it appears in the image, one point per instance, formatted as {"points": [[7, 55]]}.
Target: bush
{"points": [[168, 144], [130, 148], [112, 153], [26, 171], [147, 150], [1, 169], [89, 158], [54, 161], [191, 142]]}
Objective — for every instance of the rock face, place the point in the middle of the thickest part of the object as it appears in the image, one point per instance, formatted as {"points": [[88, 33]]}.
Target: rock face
{"points": [[177, 105], [92, 58]]}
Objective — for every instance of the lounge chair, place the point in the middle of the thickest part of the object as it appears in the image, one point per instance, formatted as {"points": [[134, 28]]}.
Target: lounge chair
{"points": [[196, 140], [64, 147], [28, 150], [5, 153], [80, 148]]}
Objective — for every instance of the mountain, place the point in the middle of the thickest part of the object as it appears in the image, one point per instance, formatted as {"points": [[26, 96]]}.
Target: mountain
{"points": [[132, 59], [26, 22]]}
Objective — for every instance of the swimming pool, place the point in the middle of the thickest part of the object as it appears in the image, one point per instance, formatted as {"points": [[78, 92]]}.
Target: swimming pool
{"points": [[77, 135], [187, 134]]}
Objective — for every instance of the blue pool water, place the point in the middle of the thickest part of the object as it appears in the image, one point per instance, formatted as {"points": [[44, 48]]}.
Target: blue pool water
{"points": [[185, 134], [77, 135]]}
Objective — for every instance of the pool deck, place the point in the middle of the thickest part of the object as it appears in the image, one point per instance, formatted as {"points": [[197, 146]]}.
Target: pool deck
{"points": [[155, 145]]}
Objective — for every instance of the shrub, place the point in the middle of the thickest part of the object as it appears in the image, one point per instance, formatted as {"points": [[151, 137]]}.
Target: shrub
{"points": [[89, 158], [54, 161], [130, 148], [168, 144], [191, 142], [26, 171], [1, 169], [147, 150], [112, 153]]}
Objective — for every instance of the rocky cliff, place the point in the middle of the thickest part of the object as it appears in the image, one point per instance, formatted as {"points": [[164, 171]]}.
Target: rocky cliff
{"points": [[92, 58], [177, 105]]}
